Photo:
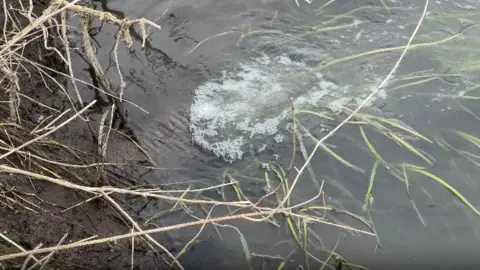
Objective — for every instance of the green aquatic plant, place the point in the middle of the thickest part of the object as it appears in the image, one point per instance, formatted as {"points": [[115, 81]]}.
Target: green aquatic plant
{"points": [[446, 185], [368, 196], [324, 65]]}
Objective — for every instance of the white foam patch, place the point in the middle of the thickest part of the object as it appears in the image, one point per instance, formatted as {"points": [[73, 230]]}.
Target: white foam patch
{"points": [[253, 101]]}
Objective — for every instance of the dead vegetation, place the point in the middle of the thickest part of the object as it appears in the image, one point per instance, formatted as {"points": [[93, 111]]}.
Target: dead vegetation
{"points": [[62, 197]]}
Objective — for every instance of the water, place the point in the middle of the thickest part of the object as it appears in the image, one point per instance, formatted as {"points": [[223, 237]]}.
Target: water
{"points": [[253, 102], [232, 93]]}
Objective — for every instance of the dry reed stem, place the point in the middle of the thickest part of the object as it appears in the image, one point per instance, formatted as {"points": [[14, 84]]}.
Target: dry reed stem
{"points": [[107, 189], [27, 260], [66, 44], [61, 7], [48, 132], [58, 6], [138, 228], [156, 230], [54, 9], [47, 258], [16, 245]]}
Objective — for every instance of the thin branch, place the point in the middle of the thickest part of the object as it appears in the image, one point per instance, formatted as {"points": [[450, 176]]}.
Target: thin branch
{"points": [[365, 101]]}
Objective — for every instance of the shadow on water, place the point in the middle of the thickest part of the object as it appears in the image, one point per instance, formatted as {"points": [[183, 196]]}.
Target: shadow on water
{"points": [[427, 227]]}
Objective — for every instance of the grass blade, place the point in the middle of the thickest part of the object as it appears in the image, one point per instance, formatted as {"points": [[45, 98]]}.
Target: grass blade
{"points": [[474, 140], [342, 160], [246, 250], [383, 50], [333, 154], [448, 186], [282, 265], [405, 176], [292, 229], [410, 147], [368, 196], [398, 124]]}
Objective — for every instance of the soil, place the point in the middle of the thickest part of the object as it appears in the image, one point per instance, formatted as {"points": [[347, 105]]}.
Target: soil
{"points": [[35, 212]]}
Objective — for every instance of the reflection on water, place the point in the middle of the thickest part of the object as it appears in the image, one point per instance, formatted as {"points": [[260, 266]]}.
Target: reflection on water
{"points": [[434, 92]]}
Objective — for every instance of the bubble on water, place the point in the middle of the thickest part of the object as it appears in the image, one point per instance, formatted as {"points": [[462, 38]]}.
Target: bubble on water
{"points": [[278, 138], [337, 105], [262, 148]]}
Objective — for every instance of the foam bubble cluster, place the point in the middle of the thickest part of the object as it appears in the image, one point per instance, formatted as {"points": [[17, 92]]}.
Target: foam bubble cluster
{"points": [[252, 102]]}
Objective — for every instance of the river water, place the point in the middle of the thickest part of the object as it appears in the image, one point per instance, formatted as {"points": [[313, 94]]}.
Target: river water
{"points": [[218, 83]]}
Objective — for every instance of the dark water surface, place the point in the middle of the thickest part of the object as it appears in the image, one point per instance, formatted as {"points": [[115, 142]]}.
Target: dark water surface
{"points": [[163, 76]]}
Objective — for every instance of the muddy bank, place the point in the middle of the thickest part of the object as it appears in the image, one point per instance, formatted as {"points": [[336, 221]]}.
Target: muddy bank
{"points": [[37, 213]]}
